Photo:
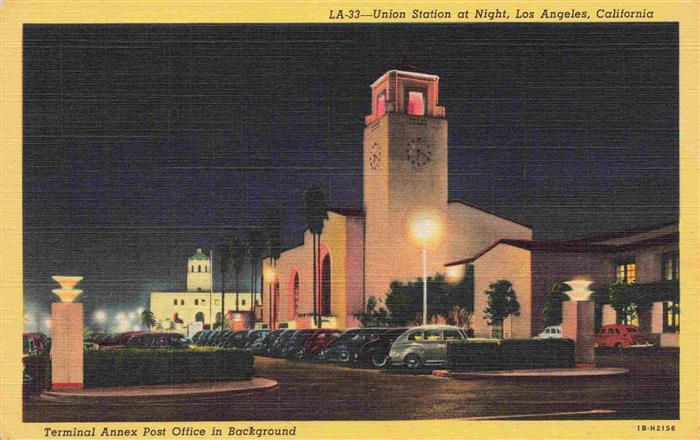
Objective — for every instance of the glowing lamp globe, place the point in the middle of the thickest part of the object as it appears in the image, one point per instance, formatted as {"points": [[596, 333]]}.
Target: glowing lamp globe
{"points": [[426, 228], [67, 292], [579, 289]]}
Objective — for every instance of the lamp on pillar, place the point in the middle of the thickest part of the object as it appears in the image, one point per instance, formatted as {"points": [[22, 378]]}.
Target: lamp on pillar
{"points": [[67, 335], [578, 315]]}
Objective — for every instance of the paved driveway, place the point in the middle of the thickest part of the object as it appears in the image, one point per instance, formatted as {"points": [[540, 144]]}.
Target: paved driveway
{"points": [[328, 392]]}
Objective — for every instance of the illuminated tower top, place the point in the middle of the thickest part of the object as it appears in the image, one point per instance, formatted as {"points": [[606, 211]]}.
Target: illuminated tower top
{"points": [[198, 272], [399, 91]]}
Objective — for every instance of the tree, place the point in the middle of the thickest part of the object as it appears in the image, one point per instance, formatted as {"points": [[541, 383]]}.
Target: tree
{"points": [[272, 226], [373, 317], [404, 301], [238, 255], [315, 209], [148, 319], [501, 303], [224, 257], [626, 300], [552, 311], [256, 247]]}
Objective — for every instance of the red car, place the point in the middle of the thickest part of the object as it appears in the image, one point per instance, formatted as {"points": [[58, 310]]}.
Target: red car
{"points": [[316, 345], [621, 336]]}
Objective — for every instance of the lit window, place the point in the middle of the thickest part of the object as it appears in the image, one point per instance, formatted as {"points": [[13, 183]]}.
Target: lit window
{"points": [[669, 266], [672, 317], [626, 271], [381, 104], [416, 103]]}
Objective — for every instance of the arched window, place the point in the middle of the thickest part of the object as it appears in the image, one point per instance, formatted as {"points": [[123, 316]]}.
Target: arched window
{"points": [[199, 317], [175, 302], [182, 302], [192, 270], [326, 286], [206, 268], [218, 316], [199, 268]]}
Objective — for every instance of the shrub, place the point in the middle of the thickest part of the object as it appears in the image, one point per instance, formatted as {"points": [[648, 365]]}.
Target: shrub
{"points": [[124, 367], [510, 354]]}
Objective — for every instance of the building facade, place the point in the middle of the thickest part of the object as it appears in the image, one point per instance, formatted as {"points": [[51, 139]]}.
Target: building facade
{"points": [[405, 212], [648, 258], [198, 304]]}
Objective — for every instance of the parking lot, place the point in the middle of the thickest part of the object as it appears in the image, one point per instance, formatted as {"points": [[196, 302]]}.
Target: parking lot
{"points": [[315, 391]]}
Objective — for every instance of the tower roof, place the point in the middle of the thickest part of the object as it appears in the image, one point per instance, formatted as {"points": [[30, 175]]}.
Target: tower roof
{"points": [[199, 255]]}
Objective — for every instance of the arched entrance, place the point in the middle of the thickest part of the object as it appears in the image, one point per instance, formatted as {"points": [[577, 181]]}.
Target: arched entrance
{"points": [[199, 317], [293, 296], [326, 286], [276, 304]]}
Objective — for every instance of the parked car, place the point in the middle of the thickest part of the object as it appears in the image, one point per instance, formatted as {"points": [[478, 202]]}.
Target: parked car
{"points": [[254, 335], [551, 332], [204, 339], [315, 346], [424, 346], [279, 348], [295, 348], [90, 346], [119, 340], [199, 335], [34, 343], [621, 336], [236, 339], [264, 347], [375, 352], [159, 340], [346, 348]]}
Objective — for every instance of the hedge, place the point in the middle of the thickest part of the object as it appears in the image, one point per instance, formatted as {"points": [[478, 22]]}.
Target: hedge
{"points": [[124, 367], [510, 354]]}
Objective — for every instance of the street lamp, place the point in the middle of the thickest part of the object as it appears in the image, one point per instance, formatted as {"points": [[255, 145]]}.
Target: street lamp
{"points": [[269, 275], [426, 229]]}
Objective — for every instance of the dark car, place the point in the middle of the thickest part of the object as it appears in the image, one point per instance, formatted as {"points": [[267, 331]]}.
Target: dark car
{"points": [[34, 343], [236, 339], [346, 348], [266, 344], [374, 353], [203, 340], [295, 348], [159, 340], [316, 346], [279, 348], [199, 335], [254, 335]]}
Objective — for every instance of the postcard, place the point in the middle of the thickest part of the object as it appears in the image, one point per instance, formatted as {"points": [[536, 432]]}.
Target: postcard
{"points": [[349, 220]]}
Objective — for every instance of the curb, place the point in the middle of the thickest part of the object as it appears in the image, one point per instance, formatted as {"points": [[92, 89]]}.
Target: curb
{"points": [[563, 373], [157, 391]]}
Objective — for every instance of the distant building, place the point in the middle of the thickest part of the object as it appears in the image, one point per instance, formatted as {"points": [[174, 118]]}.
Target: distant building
{"points": [[198, 304]]}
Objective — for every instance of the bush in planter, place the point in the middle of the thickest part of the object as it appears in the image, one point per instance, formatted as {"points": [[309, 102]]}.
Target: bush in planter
{"points": [[510, 354], [124, 367]]}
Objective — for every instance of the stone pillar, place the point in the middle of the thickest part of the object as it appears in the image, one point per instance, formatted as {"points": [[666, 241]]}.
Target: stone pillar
{"points": [[66, 345], [657, 317], [609, 315], [67, 336], [578, 324]]}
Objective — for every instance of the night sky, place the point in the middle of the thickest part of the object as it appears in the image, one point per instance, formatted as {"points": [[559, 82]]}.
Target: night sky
{"points": [[142, 143]]}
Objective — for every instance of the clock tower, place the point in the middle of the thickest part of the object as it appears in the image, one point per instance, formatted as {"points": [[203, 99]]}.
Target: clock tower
{"points": [[404, 179]]}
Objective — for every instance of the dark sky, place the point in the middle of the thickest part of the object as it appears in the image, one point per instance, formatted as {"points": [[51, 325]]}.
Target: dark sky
{"points": [[142, 143]]}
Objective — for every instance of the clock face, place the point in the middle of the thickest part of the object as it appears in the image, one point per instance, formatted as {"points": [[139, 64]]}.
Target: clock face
{"points": [[419, 152], [375, 156]]}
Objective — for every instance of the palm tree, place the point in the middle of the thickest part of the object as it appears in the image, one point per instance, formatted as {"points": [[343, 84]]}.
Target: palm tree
{"points": [[148, 319], [315, 210], [238, 254], [272, 224], [256, 246], [223, 260]]}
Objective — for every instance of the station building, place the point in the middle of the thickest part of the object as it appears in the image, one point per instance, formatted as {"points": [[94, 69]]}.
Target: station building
{"points": [[406, 214]]}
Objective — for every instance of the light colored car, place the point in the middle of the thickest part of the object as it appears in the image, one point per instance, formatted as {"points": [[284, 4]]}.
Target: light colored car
{"points": [[551, 332], [424, 346]]}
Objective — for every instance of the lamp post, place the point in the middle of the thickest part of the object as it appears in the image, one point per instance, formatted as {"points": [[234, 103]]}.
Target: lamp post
{"points": [[270, 275], [426, 229]]}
